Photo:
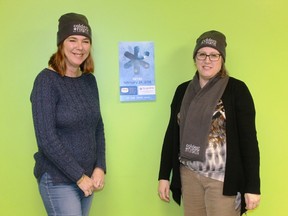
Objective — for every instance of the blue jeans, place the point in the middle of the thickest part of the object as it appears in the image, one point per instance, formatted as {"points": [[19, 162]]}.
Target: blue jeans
{"points": [[63, 199]]}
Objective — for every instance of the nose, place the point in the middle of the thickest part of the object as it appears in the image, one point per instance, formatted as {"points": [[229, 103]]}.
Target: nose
{"points": [[79, 45]]}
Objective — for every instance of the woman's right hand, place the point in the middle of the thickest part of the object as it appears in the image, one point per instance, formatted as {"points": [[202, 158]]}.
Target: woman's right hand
{"points": [[86, 185], [164, 190]]}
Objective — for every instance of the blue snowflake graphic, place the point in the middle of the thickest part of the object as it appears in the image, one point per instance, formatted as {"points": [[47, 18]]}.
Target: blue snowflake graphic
{"points": [[136, 60]]}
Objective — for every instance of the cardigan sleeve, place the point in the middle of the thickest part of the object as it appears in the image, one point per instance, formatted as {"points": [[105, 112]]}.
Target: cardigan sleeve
{"points": [[167, 149], [170, 149], [44, 98], [245, 119]]}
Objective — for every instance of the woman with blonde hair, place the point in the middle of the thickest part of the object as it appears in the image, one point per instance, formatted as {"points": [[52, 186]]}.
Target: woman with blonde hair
{"points": [[210, 145]]}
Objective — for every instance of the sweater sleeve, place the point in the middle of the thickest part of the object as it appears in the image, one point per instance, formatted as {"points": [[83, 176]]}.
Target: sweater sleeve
{"points": [[100, 141], [245, 114], [44, 98]]}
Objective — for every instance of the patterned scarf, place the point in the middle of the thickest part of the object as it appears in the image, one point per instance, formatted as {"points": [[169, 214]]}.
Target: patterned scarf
{"points": [[196, 115]]}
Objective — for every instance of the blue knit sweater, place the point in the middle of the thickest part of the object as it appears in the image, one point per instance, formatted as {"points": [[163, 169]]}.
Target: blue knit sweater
{"points": [[68, 126]]}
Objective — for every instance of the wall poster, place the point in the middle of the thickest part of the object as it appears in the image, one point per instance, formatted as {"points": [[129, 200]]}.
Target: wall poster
{"points": [[136, 68]]}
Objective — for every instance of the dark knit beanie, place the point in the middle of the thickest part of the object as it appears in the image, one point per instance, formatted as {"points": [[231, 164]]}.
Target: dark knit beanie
{"points": [[213, 39], [73, 24]]}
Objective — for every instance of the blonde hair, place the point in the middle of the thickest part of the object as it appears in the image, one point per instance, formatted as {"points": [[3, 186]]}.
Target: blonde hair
{"points": [[223, 71]]}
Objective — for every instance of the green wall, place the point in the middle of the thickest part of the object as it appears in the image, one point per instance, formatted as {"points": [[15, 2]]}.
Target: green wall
{"points": [[257, 36]]}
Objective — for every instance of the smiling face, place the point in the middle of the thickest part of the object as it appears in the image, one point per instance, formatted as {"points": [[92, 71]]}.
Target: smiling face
{"points": [[208, 69], [76, 49]]}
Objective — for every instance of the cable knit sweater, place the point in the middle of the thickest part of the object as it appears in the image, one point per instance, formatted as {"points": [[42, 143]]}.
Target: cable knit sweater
{"points": [[68, 126]]}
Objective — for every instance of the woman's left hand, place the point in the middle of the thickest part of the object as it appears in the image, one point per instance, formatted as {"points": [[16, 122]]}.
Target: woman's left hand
{"points": [[98, 177], [251, 200]]}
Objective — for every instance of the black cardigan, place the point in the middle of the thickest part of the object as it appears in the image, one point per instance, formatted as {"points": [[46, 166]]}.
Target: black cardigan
{"points": [[243, 159]]}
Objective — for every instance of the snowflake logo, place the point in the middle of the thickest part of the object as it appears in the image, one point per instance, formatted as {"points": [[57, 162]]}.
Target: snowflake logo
{"points": [[136, 60]]}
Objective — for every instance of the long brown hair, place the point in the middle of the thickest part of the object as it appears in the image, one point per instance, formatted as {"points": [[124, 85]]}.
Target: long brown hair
{"points": [[57, 62]]}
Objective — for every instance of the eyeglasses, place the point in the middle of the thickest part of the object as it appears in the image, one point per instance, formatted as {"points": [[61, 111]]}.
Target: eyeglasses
{"points": [[213, 57]]}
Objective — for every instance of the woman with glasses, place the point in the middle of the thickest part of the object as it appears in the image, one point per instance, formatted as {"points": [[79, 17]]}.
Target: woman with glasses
{"points": [[210, 145]]}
